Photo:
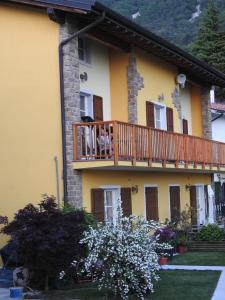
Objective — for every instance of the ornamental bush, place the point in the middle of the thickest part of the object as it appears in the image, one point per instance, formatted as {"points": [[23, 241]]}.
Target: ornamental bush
{"points": [[47, 238], [210, 233], [122, 257]]}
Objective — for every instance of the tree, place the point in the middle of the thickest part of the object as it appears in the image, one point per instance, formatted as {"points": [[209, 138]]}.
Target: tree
{"points": [[123, 256], [209, 46], [47, 238]]}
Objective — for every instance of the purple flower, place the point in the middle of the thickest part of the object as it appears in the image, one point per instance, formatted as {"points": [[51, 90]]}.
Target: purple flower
{"points": [[165, 234]]}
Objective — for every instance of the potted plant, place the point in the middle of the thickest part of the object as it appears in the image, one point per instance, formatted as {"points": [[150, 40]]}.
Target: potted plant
{"points": [[166, 235], [163, 260], [182, 244]]}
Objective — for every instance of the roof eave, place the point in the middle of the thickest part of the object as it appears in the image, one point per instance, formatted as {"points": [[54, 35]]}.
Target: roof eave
{"points": [[219, 77]]}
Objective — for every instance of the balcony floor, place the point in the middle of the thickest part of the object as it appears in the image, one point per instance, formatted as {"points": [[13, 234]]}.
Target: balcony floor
{"points": [[143, 166]]}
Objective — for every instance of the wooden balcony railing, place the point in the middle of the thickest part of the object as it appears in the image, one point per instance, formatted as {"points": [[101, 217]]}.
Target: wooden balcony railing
{"points": [[115, 140]]}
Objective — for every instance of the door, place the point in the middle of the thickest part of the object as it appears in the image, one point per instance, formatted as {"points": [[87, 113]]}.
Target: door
{"points": [[174, 202], [151, 203]]}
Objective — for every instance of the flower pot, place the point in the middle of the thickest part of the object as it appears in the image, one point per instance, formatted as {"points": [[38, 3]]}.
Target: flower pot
{"points": [[163, 261], [182, 249]]}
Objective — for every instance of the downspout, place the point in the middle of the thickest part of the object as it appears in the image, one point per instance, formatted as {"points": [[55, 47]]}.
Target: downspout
{"points": [[62, 95]]}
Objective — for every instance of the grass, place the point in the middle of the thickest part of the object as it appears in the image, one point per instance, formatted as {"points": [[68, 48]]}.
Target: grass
{"points": [[200, 259], [173, 285]]}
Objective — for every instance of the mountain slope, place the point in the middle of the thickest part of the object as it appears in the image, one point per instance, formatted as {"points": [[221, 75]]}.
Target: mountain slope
{"points": [[175, 20]]}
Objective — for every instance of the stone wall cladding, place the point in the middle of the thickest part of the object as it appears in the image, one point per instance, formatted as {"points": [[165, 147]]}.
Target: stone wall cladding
{"points": [[135, 84], [206, 113], [176, 100], [72, 108]]}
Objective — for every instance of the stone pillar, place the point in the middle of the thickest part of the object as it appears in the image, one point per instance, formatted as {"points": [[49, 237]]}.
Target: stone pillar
{"points": [[135, 83], [176, 100], [206, 113], [72, 109]]}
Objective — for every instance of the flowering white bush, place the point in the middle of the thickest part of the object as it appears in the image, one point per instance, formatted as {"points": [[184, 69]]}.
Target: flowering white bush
{"points": [[123, 256]]}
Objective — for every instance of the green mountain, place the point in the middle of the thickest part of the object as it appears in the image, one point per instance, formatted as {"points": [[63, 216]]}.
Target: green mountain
{"points": [[175, 20]]}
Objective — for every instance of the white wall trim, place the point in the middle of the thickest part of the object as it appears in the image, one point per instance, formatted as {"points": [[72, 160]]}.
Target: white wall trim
{"points": [[151, 185], [159, 104], [163, 113], [200, 184], [105, 187], [86, 92]]}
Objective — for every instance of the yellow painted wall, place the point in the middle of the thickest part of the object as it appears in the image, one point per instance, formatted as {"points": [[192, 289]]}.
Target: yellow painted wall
{"points": [[30, 123], [98, 82], [185, 99], [96, 179], [196, 111], [118, 85], [159, 78]]}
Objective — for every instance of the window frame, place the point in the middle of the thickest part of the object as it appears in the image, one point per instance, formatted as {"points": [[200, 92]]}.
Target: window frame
{"points": [[163, 118], [88, 102], [116, 195], [86, 51]]}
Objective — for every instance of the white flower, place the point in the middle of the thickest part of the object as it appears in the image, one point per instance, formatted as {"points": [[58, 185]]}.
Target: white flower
{"points": [[125, 254], [61, 275]]}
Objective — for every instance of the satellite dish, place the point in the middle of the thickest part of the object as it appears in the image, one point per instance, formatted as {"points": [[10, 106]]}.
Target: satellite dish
{"points": [[181, 79]]}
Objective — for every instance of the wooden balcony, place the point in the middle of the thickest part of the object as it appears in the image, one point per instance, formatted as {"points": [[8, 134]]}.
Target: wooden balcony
{"points": [[118, 144]]}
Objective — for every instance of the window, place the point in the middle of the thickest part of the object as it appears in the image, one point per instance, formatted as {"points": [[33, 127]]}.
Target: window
{"points": [[156, 115], [86, 105], [160, 116], [83, 50], [109, 206], [111, 197], [104, 203]]}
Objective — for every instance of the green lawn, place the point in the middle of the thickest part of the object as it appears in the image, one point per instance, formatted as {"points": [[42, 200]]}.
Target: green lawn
{"points": [[200, 259], [173, 285]]}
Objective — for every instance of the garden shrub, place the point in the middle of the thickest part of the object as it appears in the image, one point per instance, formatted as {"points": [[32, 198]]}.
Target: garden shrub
{"points": [[210, 233], [47, 239], [123, 256]]}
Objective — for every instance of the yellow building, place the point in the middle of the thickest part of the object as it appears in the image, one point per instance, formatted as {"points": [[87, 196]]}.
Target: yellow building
{"points": [[66, 65]]}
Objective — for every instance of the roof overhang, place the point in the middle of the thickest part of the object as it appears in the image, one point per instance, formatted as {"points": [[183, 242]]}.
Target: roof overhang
{"points": [[138, 36], [129, 34], [65, 5]]}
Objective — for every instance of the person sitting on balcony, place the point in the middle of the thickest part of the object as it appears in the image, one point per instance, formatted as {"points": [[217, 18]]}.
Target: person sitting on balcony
{"points": [[105, 144]]}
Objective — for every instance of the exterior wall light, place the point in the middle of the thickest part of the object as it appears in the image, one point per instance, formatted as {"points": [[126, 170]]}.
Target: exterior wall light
{"points": [[84, 76], [134, 189], [187, 187]]}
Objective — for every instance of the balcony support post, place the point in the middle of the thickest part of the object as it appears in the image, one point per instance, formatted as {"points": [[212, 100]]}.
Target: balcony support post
{"points": [[116, 144], [75, 144], [134, 153]]}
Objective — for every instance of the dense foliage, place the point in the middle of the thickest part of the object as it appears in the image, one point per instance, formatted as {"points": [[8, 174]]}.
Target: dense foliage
{"points": [[210, 233], [171, 19], [209, 46], [47, 238], [124, 256]]}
